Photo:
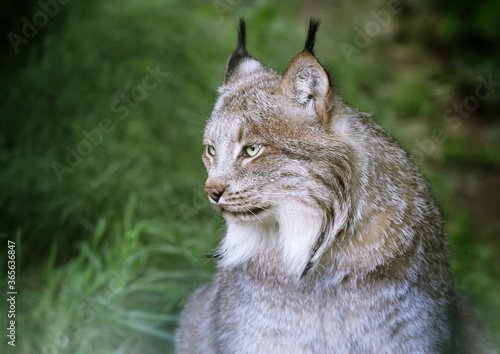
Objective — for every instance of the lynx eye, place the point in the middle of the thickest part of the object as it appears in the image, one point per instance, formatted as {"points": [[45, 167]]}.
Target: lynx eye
{"points": [[210, 150], [252, 150]]}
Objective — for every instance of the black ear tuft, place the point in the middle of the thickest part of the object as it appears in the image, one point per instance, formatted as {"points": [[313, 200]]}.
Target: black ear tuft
{"points": [[239, 53], [311, 35], [242, 38]]}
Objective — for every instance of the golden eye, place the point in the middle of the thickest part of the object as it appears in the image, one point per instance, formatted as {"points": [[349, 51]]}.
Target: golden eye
{"points": [[252, 150], [210, 150]]}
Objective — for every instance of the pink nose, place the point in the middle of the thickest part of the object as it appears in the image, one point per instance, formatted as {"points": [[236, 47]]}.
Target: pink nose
{"points": [[214, 192]]}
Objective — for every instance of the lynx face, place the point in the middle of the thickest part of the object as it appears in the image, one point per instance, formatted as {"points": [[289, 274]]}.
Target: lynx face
{"points": [[256, 151], [277, 170]]}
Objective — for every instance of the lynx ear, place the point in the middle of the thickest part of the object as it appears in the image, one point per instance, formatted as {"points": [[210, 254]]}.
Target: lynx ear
{"points": [[306, 81], [240, 63]]}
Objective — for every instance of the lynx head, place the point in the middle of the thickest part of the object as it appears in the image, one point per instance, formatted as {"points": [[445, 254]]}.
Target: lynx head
{"points": [[278, 167]]}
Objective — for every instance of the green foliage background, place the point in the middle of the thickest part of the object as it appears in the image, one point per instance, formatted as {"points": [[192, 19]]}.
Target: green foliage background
{"points": [[107, 256]]}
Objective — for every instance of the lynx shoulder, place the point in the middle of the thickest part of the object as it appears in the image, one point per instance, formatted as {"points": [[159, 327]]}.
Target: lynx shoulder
{"points": [[334, 242]]}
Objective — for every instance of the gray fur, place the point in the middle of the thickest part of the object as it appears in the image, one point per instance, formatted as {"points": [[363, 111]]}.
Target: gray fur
{"points": [[334, 241]]}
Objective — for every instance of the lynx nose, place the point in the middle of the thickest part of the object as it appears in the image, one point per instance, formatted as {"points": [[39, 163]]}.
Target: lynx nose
{"points": [[214, 192]]}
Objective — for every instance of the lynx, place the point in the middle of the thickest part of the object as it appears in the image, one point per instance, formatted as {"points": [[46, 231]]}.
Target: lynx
{"points": [[334, 242]]}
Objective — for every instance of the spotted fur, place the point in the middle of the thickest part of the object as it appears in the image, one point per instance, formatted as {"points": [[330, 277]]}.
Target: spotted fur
{"points": [[334, 242]]}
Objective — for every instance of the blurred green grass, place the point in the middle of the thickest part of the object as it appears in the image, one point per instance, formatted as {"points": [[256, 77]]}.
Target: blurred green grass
{"points": [[108, 256]]}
